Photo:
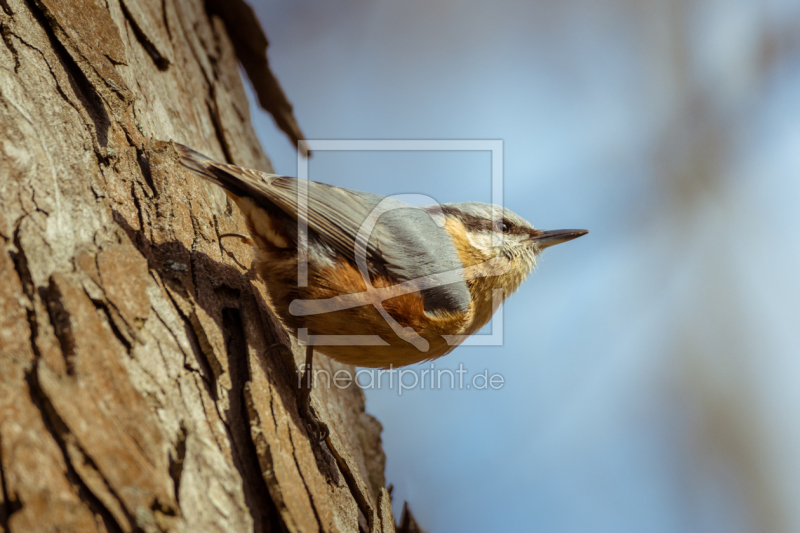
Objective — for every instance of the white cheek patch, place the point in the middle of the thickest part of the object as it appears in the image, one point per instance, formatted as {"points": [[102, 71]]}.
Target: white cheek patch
{"points": [[261, 222], [484, 240], [480, 240]]}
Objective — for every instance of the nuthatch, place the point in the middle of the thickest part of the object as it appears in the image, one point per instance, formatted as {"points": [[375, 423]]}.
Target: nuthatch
{"points": [[346, 265]]}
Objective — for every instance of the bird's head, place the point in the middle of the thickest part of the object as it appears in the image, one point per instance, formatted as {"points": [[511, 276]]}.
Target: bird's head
{"points": [[501, 240]]}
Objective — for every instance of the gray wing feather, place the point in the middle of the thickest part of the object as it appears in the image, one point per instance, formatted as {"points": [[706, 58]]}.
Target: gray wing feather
{"points": [[405, 243]]}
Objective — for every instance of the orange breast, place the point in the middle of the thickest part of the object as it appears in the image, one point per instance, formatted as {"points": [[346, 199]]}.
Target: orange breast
{"points": [[407, 309]]}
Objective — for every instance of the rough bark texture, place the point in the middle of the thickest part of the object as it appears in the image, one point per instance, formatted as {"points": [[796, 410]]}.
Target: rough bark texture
{"points": [[137, 392]]}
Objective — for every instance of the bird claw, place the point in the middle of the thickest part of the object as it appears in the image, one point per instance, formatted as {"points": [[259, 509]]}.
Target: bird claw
{"points": [[245, 238], [316, 428]]}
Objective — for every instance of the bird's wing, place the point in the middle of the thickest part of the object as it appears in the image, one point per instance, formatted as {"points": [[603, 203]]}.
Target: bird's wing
{"points": [[405, 241]]}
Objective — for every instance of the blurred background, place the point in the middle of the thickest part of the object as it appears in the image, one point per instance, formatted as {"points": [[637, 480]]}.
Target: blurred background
{"points": [[652, 368]]}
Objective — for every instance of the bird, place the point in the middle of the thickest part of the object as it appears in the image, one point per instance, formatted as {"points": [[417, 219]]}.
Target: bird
{"points": [[351, 265]]}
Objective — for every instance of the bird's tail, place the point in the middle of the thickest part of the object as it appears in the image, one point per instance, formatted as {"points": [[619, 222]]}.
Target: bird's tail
{"points": [[231, 178], [236, 181], [197, 163]]}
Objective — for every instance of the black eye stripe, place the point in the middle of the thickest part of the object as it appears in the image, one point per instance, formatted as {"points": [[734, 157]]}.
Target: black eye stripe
{"points": [[473, 223]]}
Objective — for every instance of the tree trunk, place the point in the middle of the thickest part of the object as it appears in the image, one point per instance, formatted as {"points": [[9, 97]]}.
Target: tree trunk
{"points": [[137, 391]]}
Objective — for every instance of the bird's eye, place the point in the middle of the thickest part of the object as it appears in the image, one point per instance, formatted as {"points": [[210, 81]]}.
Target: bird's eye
{"points": [[501, 226]]}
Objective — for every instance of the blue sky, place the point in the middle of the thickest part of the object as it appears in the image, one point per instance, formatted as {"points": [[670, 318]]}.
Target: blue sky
{"points": [[650, 367]]}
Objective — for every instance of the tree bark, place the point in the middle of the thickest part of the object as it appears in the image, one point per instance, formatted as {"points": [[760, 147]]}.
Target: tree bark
{"points": [[137, 391]]}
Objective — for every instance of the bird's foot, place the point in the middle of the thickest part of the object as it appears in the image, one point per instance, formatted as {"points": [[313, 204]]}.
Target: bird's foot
{"points": [[245, 238]]}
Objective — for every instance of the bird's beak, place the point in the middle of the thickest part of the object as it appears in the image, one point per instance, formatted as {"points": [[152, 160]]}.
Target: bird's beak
{"points": [[551, 238]]}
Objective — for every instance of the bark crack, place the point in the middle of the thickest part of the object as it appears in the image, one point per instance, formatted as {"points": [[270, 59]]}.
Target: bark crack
{"points": [[166, 19], [7, 34], [192, 250], [202, 357], [104, 309], [20, 261], [63, 41], [257, 495], [9, 505], [303, 478], [139, 210], [90, 99], [6, 8], [160, 61], [58, 430], [176, 461], [352, 484], [218, 129], [49, 66], [147, 174]]}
